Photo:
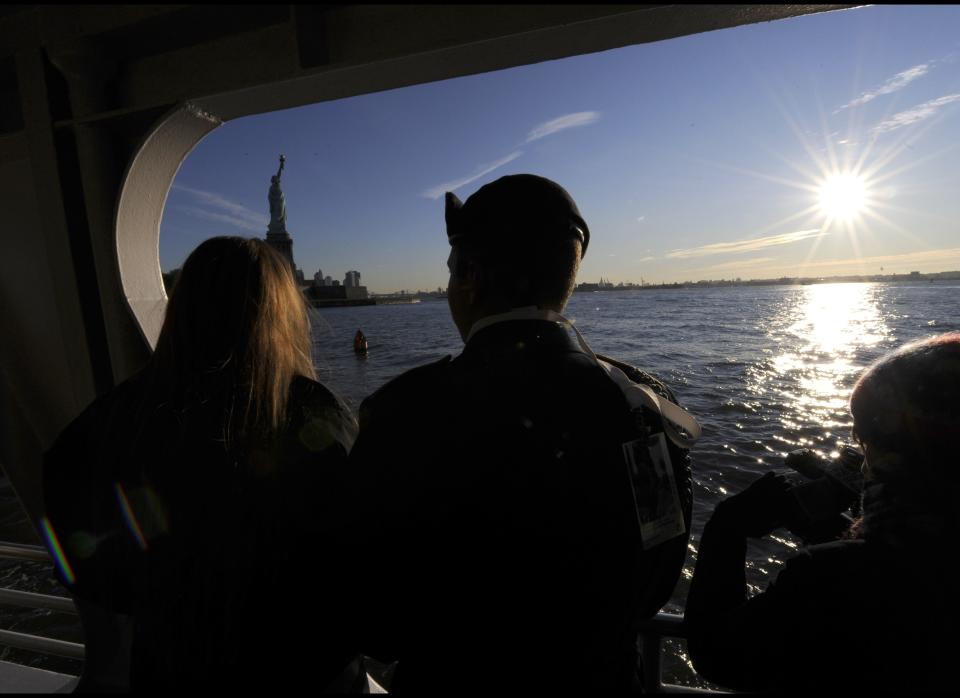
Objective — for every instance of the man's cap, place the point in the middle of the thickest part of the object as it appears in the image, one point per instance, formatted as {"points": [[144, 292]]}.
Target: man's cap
{"points": [[516, 209]]}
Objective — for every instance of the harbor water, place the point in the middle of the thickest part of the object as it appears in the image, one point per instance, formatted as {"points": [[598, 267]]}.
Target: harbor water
{"points": [[765, 369]]}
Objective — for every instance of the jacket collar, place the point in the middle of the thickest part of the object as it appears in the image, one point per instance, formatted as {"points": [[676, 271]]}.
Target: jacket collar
{"points": [[527, 312], [528, 324]]}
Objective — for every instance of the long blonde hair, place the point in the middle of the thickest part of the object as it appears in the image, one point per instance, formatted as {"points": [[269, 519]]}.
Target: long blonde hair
{"points": [[236, 333]]}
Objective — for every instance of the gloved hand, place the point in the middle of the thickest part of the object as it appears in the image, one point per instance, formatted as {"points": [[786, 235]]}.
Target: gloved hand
{"points": [[758, 510]]}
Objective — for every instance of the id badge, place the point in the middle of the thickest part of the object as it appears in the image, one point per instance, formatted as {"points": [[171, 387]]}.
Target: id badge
{"points": [[655, 495]]}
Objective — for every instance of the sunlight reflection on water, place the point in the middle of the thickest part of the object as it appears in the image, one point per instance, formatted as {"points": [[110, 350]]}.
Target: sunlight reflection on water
{"points": [[821, 333]]}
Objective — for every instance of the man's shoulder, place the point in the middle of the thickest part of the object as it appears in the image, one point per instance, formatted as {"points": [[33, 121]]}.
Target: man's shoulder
{"points": [[413, 380], [408, 385], [637, 375]]}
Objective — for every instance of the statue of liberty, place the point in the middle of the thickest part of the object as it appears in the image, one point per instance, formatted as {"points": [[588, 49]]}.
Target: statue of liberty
{"points": [[277, 236], [278, 207]]}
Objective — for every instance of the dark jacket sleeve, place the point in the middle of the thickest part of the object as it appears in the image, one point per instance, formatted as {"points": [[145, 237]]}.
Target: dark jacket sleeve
{"points": [[735, 641], [66, 470], [375, 489], [84, 528], [382, 509]]}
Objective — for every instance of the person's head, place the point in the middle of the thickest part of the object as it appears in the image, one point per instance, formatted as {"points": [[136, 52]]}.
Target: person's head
{"points": [[906, 411], [515, 242], [237, 330]]}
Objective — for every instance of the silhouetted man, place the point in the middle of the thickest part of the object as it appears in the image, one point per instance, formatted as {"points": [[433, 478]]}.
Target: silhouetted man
{"points": [[492, 491]]}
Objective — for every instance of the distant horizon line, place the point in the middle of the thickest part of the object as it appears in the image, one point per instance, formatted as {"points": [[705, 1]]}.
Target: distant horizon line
{"points": [[737, 280], [721, 281], [776, 279]]}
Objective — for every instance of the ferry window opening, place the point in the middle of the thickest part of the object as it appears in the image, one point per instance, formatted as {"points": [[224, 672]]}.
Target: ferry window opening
{"points": [[790, 179]]}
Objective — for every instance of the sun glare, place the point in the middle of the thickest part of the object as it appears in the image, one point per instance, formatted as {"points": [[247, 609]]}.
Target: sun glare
{"points": [[843, 196]]}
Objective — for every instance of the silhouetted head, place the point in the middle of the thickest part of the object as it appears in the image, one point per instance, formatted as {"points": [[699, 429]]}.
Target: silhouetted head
{"points": [[908, 402], [906, 414], [516, 242], [236, 331]]}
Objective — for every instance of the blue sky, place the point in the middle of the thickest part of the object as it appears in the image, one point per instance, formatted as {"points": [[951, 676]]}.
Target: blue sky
{"points": [[695, 158]]}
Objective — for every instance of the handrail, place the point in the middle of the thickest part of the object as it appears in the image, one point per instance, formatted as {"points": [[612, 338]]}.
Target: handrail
{"points": [[652, 631], [665, 625], [44, 645], [24, 551], [31, 599]]}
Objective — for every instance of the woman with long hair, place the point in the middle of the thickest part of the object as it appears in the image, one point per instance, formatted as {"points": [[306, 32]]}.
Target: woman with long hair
{"points": [[193, 496], [876, 610]]}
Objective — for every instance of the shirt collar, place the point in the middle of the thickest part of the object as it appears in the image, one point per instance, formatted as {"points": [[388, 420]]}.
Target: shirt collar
{"points": [[527, 312]]}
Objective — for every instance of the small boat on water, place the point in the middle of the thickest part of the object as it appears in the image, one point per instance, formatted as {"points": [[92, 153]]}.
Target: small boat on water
{"points": [[360, 344]]}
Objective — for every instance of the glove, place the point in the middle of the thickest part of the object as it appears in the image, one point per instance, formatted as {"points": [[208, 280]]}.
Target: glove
{"points": [[757, 510]]}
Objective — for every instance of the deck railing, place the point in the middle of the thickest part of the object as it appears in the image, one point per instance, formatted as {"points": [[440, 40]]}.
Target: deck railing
{"points": [[652, 632], [61, 604]]}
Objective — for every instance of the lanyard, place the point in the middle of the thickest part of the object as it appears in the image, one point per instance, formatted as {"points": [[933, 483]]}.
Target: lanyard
{"points": [[676, 420]]}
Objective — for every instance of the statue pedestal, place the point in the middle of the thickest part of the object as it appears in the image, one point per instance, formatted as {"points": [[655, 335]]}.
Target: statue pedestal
{"points": [[279, 239]]}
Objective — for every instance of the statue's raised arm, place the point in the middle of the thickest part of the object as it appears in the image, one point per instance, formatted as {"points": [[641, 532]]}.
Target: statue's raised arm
{"points": [[282, 161]]}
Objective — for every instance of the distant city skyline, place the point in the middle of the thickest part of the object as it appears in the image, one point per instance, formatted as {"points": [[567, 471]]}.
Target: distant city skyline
{"points": [[814, 146]]}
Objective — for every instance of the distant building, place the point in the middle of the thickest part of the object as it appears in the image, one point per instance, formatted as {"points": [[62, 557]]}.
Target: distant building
{"points": [[328, 281], [352, 289], [318, 279], [336, 282]]}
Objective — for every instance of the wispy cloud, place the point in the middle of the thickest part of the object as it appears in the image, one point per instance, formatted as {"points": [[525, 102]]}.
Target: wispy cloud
{"points": [[897, 263], [768, 267], [237, 222], [440, 189], [742, 264], [547, 128], [897, 82], [214, 207], [914, 114], [743, 246]]}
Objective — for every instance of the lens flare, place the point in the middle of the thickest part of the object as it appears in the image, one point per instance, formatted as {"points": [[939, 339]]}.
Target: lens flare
{"points": [[53, 545], [132, 523]]}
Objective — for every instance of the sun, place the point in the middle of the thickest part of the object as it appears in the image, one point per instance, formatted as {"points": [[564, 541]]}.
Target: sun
{"points": [[842, 196]]}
